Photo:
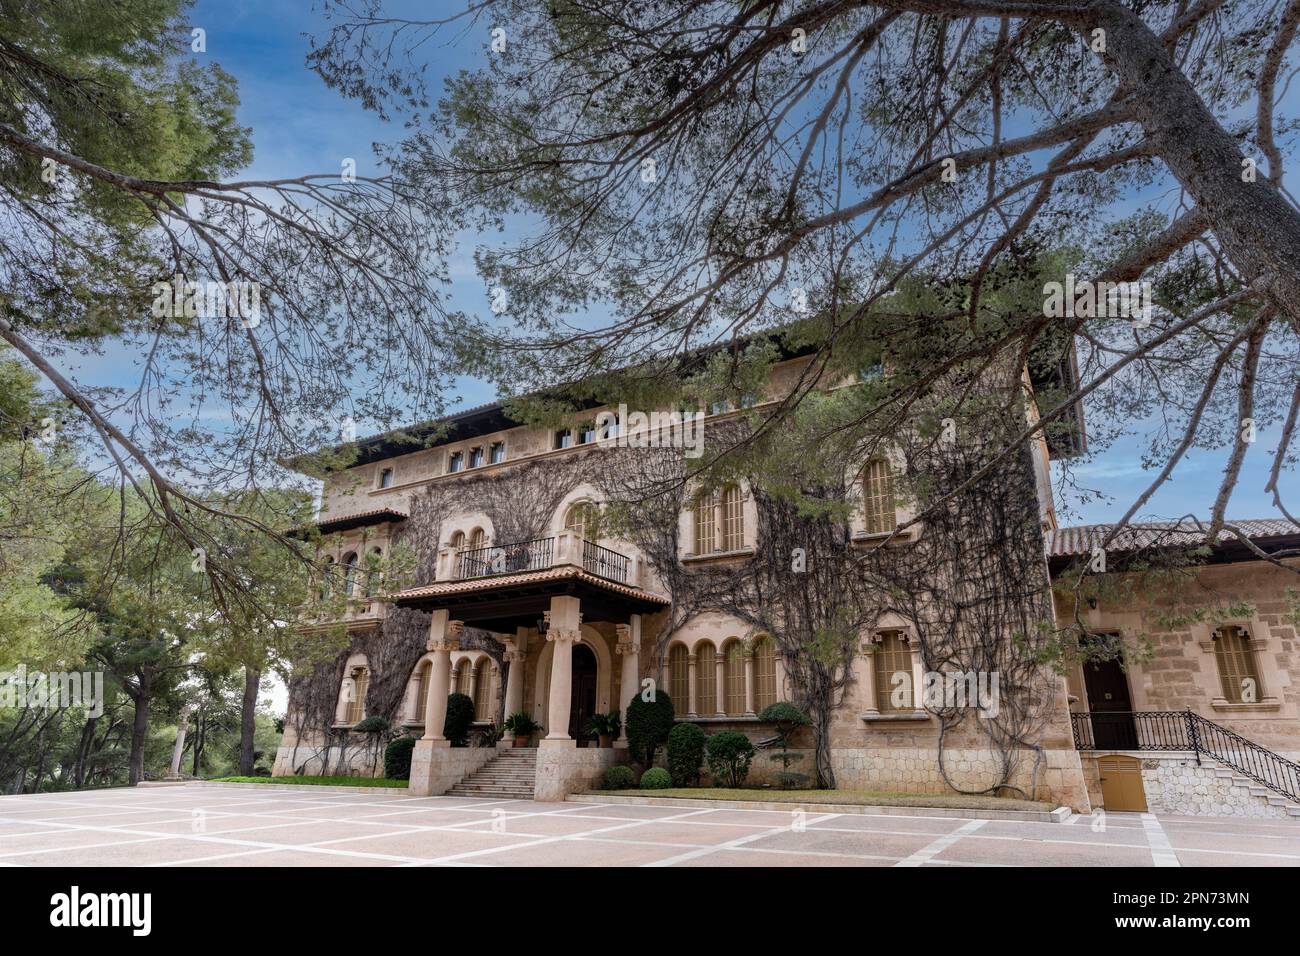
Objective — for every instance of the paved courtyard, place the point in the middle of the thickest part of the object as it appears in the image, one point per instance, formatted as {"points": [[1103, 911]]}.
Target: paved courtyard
{"points": [[267, 826]]}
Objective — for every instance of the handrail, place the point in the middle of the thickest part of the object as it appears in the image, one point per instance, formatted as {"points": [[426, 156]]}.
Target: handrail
{"points": [[484, 562], [604, 563], [1167, 730]]}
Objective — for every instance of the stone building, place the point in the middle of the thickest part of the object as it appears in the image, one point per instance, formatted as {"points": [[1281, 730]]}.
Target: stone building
{"points": [[524, 604]]}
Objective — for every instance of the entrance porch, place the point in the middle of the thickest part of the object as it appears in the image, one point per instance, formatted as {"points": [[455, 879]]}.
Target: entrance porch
{"points": [[573, 640]]}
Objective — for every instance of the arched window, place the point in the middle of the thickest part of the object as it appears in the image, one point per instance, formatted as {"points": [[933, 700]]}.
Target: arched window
{"points": [[461, 685], [581, 519], [733, 654], [457, 542], [349, 574], [679, 678], [733, 519], [477, 538], [764, 673], [422, 675], [894, 690], [704, 525], [327, 579], [356, 702], [373, 575], [706, 678], [878, 505], [483, 690], [1238, 671]]}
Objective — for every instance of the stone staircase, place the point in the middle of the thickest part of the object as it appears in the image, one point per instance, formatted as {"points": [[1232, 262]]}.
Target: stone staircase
{"points": [[1259, 795], [511, 774]]}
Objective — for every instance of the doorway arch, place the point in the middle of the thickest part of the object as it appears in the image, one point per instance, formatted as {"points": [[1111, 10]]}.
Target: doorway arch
{"points": [[590, 639]]}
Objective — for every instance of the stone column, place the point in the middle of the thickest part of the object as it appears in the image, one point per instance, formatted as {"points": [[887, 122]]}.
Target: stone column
{"points": [[869, 670], [691, 661], [720, 676], [444, 637], [563, 634], [515, 680], [749, 683], [629, 684], [473, 679], [918, 674]]}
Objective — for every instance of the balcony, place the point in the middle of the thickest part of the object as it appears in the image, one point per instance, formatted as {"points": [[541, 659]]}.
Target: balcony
{"points": [[537, 554]]}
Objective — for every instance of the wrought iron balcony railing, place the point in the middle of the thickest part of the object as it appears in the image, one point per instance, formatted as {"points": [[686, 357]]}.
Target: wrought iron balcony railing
{"points": [[605, 563], [1183, 730], [505, 558]]}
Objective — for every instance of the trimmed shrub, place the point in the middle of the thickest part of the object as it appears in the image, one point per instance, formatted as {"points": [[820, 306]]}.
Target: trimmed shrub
{"points": [[370, 725], [788, 718], [685, 754], [649, 722], [618, 778], [730, 754], [460, 714], [656, 778], [397, 758]]}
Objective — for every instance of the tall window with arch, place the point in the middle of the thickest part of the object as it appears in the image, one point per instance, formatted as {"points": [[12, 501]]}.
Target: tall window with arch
{"points": [[356, 706], [461, 685], [878, 504], [483, 690], [706, 678], [477, 539], [327, 579], [350, 574], [679, 678], [373, 570], [764, 672], [422, 675], [733, 656], [581, 519]]}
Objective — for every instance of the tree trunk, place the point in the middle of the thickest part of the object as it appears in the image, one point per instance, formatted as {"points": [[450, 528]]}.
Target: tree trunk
{"points": [[248, 720], [1259, 231], [143, 697], [83, 750]]}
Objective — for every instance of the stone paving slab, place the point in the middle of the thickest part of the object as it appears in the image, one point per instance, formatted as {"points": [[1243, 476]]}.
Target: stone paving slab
{"points": [[231, 826]]}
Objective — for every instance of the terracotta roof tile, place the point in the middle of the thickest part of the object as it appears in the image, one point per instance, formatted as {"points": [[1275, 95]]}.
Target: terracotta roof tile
{"points": [[1081, 539]]}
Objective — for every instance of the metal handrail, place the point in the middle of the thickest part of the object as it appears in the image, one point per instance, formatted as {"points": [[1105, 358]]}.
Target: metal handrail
{"points": [[1166, 730], [494, 559], [604, 563]]}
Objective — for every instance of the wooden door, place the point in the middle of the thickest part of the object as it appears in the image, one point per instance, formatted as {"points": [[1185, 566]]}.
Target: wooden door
{"points": [[1121, 784], [582, 701], [1110, 706]]}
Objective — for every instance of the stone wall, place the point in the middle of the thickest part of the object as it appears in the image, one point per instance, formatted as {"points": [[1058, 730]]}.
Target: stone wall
{"points": [[1175, 784], [563, 768], [436, 766]]}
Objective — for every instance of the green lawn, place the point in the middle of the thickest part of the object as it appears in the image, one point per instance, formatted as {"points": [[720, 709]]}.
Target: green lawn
{"points": [[949, 801], [317, 781]]}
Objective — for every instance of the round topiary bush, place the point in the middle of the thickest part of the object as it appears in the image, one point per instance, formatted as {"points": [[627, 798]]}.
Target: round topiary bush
{"points": [[460, 714], [730, 754], [685, 754], [370, 725], [397, 758], [618, 778], [656, 778], [648, 724]]}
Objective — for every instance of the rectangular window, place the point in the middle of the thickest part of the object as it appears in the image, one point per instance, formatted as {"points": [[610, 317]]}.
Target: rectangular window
{"points": [[497, 453], [704, 525], [386, 478], [586, 433], [894, 690], [879, 510], [717, 408], [1238, 674], [564, 438], [476, 457], [748, 401], [456, 461], [733, 519]]}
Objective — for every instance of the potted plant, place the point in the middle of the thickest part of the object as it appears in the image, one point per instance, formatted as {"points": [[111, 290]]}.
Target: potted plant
{"points": [[522, 726], [605, 727]]}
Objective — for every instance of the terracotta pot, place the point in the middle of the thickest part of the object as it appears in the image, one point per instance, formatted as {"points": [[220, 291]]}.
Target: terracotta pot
{"points": [[521, 741], [606, 740]]}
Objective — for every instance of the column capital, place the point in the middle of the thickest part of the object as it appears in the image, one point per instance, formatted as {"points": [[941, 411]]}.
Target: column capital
{"points": [[627, 648], [514, 657], [564, 635], [446, 644], [455, 628]]}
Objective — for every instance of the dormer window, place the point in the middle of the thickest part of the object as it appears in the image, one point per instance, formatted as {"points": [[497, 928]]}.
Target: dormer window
{"points": [[455, 462], [386, 478], [497, 453], [476, 457]]}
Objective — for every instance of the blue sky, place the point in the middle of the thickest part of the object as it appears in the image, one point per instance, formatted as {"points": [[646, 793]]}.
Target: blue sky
{"points": [[301, 126]]}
